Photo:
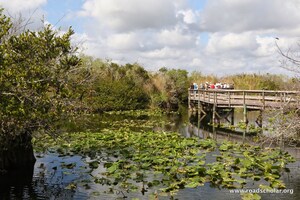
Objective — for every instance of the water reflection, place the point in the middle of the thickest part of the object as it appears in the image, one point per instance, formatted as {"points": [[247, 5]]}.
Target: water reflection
{"points": [[45, 180], [202, 130], [14, 184]]}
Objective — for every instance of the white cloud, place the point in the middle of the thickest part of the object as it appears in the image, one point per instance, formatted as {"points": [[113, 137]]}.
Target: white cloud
{"points": [[124, 41], [28, 12], [240, 34], [176, 38], [164, 53], [15, 6], [197, 62], [189, 16], [120, 15], [267, 46], [250, 15], [222, 43]]}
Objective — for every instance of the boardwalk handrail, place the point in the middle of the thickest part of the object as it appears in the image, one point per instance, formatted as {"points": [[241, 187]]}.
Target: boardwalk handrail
{"points": [[248, 91], [256, 99]]}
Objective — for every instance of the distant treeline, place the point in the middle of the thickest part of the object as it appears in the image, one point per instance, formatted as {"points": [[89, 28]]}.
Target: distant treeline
{"points": [[110, 86]]}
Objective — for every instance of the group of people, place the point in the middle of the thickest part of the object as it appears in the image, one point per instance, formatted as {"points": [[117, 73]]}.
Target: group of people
{"points": [[207, 85]]}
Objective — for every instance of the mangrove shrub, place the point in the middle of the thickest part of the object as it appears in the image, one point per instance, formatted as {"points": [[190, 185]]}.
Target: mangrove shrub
{"points": [[35, 69]]}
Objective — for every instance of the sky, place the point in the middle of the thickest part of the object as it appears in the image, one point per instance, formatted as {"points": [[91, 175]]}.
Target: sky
{"points": [[220, 37]]}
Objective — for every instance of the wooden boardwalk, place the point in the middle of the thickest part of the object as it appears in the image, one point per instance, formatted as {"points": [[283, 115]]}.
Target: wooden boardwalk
{"points": [[250, 99], [215, 105]]}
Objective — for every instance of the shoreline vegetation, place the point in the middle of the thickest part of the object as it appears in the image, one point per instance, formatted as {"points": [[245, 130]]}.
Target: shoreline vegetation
{"points": [[167, 89]]}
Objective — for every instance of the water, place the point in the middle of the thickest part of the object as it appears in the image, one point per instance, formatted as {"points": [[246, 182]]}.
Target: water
{"points": [[55, 177], [47, 180], [291, 179]]}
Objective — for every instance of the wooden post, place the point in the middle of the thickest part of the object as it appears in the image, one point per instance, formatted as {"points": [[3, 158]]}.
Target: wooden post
{"points": [[244, 98], [198, 102], [245, 114], [199, 109], [261, 120], [232, 116], [215, 98], [229, 100], [245, 111], [214, 115], [215, 110], [214, 125]]}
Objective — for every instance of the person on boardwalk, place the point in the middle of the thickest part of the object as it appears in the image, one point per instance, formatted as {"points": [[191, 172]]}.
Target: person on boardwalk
{"points": [[192, 86], [195, 88]]}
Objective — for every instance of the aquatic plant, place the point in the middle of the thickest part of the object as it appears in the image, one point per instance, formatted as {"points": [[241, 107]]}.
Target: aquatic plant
{"points": [[168, 162]]}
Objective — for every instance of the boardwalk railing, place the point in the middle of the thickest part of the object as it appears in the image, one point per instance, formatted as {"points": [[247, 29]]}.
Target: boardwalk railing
{"points": [[254, 99]]}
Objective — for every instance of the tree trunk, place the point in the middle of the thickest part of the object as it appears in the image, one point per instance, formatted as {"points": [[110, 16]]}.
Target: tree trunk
{"points": [[16, 153]]}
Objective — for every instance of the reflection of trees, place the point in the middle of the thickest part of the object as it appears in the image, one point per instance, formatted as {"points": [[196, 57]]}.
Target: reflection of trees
{"points": [[14, 185], [23, 184]]}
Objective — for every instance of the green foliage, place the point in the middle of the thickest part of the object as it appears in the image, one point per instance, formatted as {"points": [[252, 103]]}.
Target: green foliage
{"points": [[118, 95], [34, 72], [171, 88], [117, 87], [114, 87], [5, 26]]}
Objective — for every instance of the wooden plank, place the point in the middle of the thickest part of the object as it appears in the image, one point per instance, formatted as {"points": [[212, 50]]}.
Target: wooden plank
{"points": [[257, 99]]}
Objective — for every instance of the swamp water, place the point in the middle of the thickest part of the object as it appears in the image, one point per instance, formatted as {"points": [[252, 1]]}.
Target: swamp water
{"points": [[59, 174]]}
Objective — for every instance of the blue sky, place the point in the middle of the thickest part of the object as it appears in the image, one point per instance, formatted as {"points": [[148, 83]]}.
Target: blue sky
{"points": [[214, 37], [57, 12]]}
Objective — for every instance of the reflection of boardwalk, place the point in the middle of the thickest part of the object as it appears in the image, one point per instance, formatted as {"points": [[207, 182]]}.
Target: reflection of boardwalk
{"points": [[252, 99], [218, 135]]}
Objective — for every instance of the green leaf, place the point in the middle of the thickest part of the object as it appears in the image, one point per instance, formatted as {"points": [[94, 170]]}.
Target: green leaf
{"points": [[192, 185], [250, 196], [113, 168]]}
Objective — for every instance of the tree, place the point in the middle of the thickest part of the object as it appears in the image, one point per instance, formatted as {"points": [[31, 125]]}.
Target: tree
{"points": [[285, 123], [115, 87], [36, 70], [291, 59], [171, 88]]}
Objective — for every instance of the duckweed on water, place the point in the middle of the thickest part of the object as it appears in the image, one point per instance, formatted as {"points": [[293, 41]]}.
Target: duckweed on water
{"points": [[168, 162]]}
